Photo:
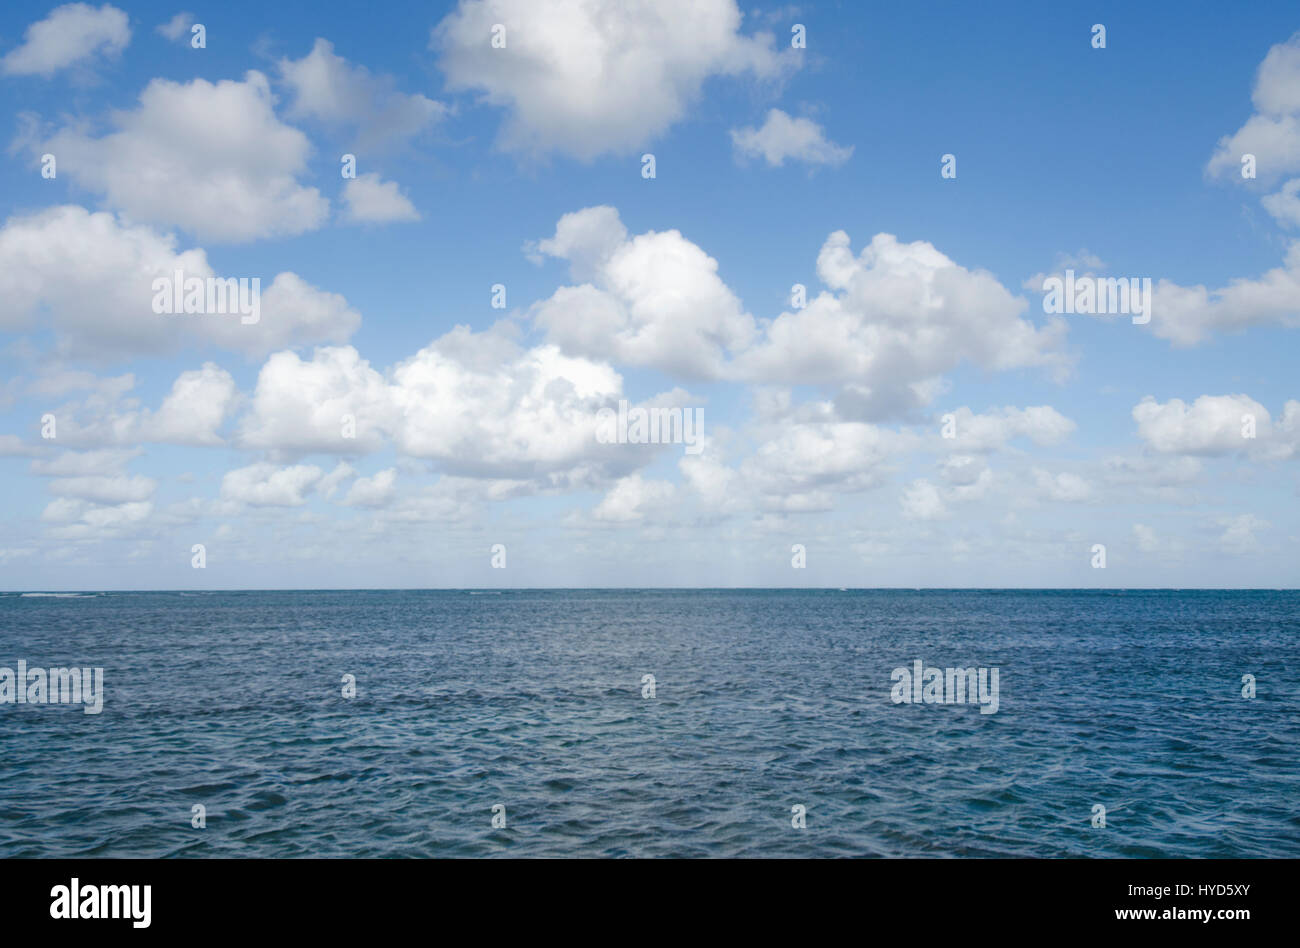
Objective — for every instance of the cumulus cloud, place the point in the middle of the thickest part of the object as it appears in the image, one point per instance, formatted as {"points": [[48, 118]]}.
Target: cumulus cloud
{"points": [[192, 413], [601, 76], [1186, 315], [89, 278], [655, 299], [368, 199], [1272, 134], [376, 491], [328, 88], [899, 316], [632, 498], [82, 520], [72, 33], [782, 138], [211, 159], [1211, 425], [474, 404], [335, 402], [265, 485], [983, 433], [195, 408], [802, 466]]}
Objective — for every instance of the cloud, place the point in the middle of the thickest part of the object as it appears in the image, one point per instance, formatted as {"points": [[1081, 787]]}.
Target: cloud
{"points": [[194, 409], [81, 520], [376, 491], [922, 501], [1285, 204], [89, 278], [1238, 535], [602, 76], [782, 138], [1188, 315], [981, 434], [1064, 486], [302, 406], [476, 405], [1212, 425], [12, 446], [211, 159], [327, 88], [371, 200], [265, 485], [899, 316], [653, 300], [176, 27], [631, 498], [801, 466], [192, 413], [70, 34], [1272, 134]]}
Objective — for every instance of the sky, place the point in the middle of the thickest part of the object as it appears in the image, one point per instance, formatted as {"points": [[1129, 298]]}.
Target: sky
{"points": [[826, 232]]}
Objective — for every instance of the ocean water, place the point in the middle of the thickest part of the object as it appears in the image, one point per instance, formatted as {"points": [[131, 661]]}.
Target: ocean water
{"points": [[765, 700]]}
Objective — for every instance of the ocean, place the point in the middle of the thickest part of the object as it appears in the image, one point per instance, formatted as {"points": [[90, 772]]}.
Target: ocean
{"points": [[770, 728]]}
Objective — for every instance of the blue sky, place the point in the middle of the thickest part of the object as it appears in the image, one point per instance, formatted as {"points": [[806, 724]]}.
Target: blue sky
{"points": [[522, 166]]}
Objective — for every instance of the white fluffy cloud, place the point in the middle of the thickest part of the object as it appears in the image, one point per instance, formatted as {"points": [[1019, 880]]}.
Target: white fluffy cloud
{"points": [[899, 316], [334, 402], [376, 491], [211, 159], [265, 485], [782, 138], [802, 466], [193, 412], [475, 404], [328, 88], [598, 76], [1186, 315], [194, 409], [89, 278], [479, 406], [1211, 425], [1272, 134], [655, 299], [369, 199], [632, 498], [981, 434], [70, 34]]}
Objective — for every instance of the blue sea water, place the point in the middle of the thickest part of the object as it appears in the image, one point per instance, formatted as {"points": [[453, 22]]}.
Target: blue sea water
{"points": [[764, 700]]}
